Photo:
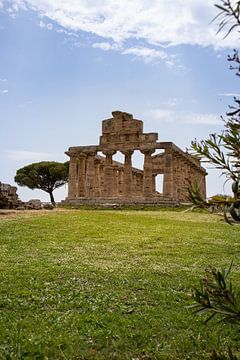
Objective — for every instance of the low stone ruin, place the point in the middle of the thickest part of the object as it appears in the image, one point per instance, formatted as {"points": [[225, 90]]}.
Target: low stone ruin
{"points": [[9, 197], [9, 200]]}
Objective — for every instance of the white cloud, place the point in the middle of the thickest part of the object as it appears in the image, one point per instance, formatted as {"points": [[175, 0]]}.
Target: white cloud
{"points": [[44, 25], [5, 91], [181, 117], [107, 46], [205, 119], [148, 25], [13, 6], [161, 114], [156, 21], [146, 53], [230, 94], [22, 155], [149, 54], [172, 102], [68, 33]]}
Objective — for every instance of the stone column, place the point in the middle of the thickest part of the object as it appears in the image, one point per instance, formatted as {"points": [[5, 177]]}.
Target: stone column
{"points": [[203, 187], [181, 179], [154, 184], [108, 174], [175, 176], [97, 179], [139, 184], [178, 177], [186, 180], [127, 174], [90, 175], [134, 184], [168, 175], [72, 178], [120, 182], [102, 179], [115, 181], [147, 173], [81, 176]]}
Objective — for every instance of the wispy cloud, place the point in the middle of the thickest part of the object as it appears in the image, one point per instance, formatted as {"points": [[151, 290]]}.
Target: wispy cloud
{"points": [[106, 46], [148, 23], [43, 25], [23, 155], [146, 53], [172, 102], [65, 32], [3, 84], [149, 54], [165, 115], [182, 117], [230, 94]]}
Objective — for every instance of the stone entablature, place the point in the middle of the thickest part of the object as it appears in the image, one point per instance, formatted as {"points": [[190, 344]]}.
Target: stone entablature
{"points": [[92, 176]]}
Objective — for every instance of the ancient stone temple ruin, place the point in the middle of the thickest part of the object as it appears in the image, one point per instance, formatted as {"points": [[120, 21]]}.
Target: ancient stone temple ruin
{"points": [[95, 178]]}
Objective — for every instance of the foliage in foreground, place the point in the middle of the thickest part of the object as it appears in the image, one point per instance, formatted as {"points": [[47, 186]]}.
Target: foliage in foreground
{"points": [[229, 16], [217, 297], [223, 150]]}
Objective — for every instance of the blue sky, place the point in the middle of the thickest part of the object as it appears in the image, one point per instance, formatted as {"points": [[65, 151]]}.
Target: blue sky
{"points": [[65, 66]]}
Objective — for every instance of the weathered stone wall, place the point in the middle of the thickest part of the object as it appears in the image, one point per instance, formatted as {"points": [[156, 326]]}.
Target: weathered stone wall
{"points": [[100, 178], [8, 196]]}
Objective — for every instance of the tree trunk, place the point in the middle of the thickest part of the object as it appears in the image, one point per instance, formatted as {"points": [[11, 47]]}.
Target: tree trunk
{"points": [[52, 198]]}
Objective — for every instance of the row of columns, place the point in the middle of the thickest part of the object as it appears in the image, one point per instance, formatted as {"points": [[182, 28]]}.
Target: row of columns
{"points": [[184, 174], [88, 178]]}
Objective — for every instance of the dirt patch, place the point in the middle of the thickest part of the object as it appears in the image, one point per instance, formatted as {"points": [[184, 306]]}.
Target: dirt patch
{"points": [[4, 213]]}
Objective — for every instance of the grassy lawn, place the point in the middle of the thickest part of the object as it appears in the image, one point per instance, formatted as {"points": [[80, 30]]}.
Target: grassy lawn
{"points": [[79, 284]]}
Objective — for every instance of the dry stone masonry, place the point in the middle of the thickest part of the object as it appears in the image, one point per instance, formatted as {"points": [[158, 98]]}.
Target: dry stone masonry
{"points": [[8, 196], [9, 200], [96, 179]]}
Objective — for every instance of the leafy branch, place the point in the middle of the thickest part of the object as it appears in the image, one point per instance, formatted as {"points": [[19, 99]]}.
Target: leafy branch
{"points": [[229, 16], [217, 297]]}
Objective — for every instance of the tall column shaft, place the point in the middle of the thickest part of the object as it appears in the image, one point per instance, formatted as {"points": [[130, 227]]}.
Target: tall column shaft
{"points": [[72, 177], [168, 175], [127, 174], [147, 173], [139, 184], [120, 182], [114, 181], [108, 174], [82, 176], [134, 184], [97, 179], [90, 175], [203, 187], [175, 176], [154, 184], [102, 167]]}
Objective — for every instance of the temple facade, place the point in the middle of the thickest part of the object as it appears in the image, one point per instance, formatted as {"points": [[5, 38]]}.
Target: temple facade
{"points": [[95, 177]]}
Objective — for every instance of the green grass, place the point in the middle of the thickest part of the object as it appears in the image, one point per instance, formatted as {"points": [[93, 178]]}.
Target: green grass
{"points": [[110, 284]]}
